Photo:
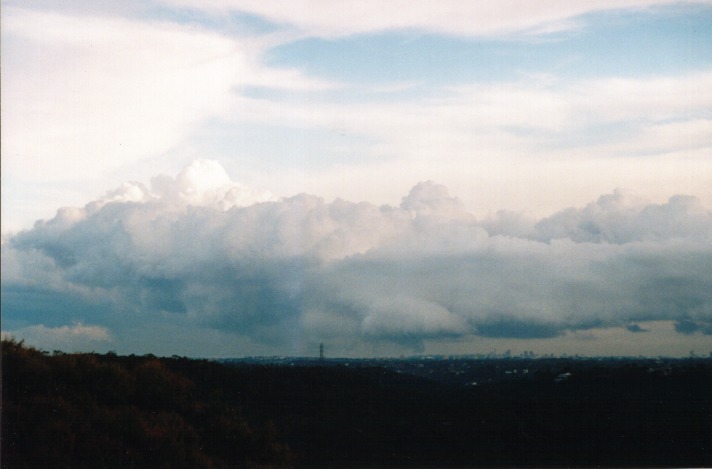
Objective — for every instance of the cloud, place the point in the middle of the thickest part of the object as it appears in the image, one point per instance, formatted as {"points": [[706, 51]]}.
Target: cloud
{"points": [[635, 328], [75, 84], [455, 17], [202, 183], [688, 327], [91, 98], [77, 337], [517, 115], [201, 251], [620, 218], [656, 98], [521, 144], [88, 95]]}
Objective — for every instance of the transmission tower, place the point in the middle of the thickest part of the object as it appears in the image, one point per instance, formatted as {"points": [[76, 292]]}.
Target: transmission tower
{"points": [[321, 351]]}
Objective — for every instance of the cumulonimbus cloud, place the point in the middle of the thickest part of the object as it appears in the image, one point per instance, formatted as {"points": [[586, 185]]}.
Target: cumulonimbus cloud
{"points": [[201, 250]]}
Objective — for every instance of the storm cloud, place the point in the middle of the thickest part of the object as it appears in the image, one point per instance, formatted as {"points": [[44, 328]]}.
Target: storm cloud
{"points": [[200, 252]]}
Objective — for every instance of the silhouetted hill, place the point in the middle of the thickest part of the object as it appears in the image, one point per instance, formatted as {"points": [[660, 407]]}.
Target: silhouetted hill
{"points": [[90, 410], [107, 410]]}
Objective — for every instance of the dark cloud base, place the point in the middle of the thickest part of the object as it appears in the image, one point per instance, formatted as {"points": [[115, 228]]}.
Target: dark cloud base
{"points": [[300, 270]]}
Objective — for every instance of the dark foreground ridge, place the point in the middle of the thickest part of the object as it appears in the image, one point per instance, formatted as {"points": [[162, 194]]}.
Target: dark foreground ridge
{"points": [[92, 410]]}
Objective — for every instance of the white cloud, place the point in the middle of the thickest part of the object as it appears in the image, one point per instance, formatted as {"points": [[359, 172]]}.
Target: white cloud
{"points": [[109, 91], [457, 17], [86, 96], [83, 96], [300, 270], [654, 99], [618, 218], [523, 145], [75, 338], [410, 317], [661, 139], [205, 183], [487, 117]]}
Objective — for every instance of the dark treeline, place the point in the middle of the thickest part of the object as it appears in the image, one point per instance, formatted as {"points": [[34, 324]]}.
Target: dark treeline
{"points": [[91, 410], [73, 410]]}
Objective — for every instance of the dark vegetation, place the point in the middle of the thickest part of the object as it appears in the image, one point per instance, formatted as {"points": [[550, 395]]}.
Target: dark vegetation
{"points": [[74, 410], [91, 410]]}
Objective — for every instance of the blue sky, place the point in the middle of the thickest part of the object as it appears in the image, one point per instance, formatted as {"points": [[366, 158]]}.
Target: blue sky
{"points": [[522, 123], [666, 40]]}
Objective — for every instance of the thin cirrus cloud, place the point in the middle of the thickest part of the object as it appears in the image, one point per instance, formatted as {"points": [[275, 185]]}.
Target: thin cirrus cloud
{"points": [[84, 77], [456, 17], [106, 96], [581, 139], [491, 118], [200, 252]]}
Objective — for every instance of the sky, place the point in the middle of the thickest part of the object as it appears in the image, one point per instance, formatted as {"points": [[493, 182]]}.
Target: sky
{"points": [[227, 178]]}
